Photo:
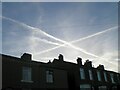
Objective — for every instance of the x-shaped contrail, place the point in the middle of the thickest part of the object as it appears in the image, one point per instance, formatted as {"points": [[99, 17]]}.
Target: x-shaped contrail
{"points": [[50, 36], [75, 41]]}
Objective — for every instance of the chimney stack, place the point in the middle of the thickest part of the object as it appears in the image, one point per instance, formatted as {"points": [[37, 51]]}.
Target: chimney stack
{"points": [[26, 57], [60, 57], [79, 61], [101, 67], [88, 63]]}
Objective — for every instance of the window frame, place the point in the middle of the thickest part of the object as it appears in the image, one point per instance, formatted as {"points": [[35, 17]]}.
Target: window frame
{"points": [[85, 86], [112, 77], [82, 74], [99, 75], [90, 74], [105, 76], [48, 75], [27, 70], [118, 77]]}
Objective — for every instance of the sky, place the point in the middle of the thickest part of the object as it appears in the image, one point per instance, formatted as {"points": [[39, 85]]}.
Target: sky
{"points": [[60, 0], [75, 29], [1, 28]]}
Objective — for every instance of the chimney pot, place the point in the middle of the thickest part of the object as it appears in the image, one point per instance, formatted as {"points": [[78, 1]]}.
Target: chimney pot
{"points": [[60, 57], [88, 63], [101, 67], [79, 61]]}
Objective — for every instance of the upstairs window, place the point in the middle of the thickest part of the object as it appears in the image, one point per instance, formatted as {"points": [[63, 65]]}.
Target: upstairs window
{"points": [[26, 74], [98, 75], [118, 77], [112, 77], [49, 76], [105, 76], [82, 73], [90, 74]]}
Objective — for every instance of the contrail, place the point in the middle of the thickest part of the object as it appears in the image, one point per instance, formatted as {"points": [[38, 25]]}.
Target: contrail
{"points": [[50, 36], [98, 33], [46, 41], [75, 41], [33, 28]]}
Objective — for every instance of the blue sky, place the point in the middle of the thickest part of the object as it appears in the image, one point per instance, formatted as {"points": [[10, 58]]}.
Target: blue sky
{"points": [[1, 28], [60, 0], [48, 25]]}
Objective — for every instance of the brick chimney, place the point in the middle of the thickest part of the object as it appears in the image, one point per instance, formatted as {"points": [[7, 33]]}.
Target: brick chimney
{"points": [[60, 57], [79, 61], [101, 67], [26, 57], [88, 63]]}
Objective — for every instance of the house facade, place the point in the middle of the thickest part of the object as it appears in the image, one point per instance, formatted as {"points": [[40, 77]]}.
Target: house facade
{"points": [[25, 74]]}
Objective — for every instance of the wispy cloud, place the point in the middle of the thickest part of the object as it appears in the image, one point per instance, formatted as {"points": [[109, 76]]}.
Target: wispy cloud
{"points": [[0, 29], [75, 41], [78, 28], [60, 0], [50, 36], [66, 43]]}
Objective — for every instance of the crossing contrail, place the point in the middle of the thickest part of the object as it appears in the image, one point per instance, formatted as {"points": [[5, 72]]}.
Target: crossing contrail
{"points": [[50, 36], [98, 33], [33, 28], [75, 41], [45, 41]]}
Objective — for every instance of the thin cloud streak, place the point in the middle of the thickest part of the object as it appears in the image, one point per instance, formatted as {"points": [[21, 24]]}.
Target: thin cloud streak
{"points": [[45, 41], [98, 33], [57, 39], [48, 35], [60, 1], [75, 41]]}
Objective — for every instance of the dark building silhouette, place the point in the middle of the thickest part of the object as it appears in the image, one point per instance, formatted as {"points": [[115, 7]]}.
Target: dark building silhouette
{"points": [[25, 74]]}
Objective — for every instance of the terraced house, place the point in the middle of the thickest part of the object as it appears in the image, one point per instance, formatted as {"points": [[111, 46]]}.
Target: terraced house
{"points": [[25, 74]]}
